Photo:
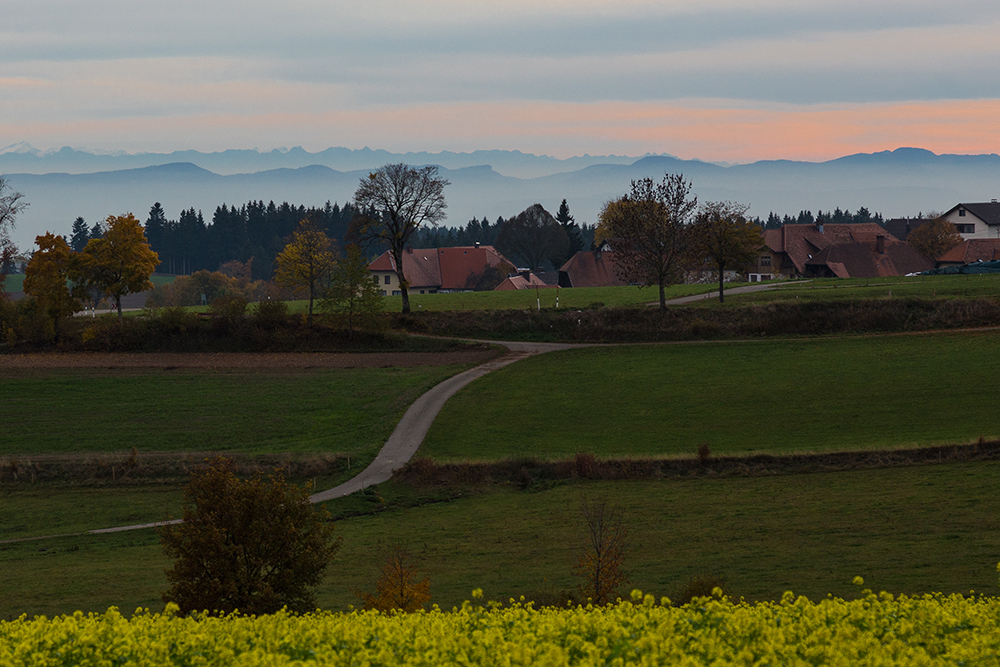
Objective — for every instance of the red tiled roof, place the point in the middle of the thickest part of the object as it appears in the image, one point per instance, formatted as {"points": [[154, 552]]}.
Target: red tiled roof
{"points": [[972, 250], [590, 268], [441, 268], [420, 267], [802, 242], [521, 282], [862, 260], [458, 264]]}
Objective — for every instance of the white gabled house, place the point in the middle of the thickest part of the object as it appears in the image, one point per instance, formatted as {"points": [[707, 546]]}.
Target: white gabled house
{"points": [[976, 220]]}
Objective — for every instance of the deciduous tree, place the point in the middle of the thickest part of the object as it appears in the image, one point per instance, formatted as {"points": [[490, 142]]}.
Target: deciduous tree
{"points": [[307, 262], [601, 566], [118, 263], [723, 235], [397, 587], [400, 199], [533, 237], [935, 238], [648, 231], [11, 204], [46, 278], [253, 545], [353, 292]]}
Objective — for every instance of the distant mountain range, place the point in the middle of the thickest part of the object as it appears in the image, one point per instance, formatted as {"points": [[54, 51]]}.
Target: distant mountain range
{"points": [[64, 184]]}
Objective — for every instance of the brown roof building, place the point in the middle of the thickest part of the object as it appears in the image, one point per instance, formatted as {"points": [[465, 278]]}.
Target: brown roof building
{"points": [[973, 250], [522, 281], [430, 270], [590, 268], [861, 250]]}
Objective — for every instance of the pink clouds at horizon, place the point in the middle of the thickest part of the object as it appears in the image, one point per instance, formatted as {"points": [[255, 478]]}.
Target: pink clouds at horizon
{"points": [[703, 129]]}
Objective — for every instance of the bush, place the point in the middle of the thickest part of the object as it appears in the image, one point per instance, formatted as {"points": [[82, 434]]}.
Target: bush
{"points": [[253, 545], [270, 313]]}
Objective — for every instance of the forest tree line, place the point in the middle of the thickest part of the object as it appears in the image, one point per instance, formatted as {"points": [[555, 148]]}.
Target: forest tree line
{"points": [[256, 232]]}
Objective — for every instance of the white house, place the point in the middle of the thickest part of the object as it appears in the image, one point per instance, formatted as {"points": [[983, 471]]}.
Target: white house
{"points": [[976, 220]]}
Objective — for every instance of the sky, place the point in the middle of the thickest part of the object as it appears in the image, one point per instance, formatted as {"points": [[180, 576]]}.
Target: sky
{"points": [[720, 80]]}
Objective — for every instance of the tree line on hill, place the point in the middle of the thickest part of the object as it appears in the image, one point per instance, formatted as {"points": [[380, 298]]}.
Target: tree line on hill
{"points": [[257, 231], [254, 231]]}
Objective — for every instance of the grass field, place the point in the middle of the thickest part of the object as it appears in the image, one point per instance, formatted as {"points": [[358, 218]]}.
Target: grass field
{"points": [[351, 411], [927, 287], [773, 396], [574, 297], [918, 529]]}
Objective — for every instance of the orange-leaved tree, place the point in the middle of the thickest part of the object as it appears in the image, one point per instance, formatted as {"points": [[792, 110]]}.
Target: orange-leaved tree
{"points": [[118, 263], [46, 276], [397, 587]]}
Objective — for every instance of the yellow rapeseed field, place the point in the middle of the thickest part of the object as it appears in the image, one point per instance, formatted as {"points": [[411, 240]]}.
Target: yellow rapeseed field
{"points": [[872, 630]]}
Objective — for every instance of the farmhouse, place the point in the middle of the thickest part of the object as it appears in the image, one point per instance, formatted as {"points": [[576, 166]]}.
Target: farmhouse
{"points": [[590, 268], [523, 280], [432, 270], [968, 252], [976, 220], [859, 250]]}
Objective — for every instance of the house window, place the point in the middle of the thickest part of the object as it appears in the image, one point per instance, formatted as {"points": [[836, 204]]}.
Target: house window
{"points": [[765, 260], [966, 229], [376, 279], [387, 279], [961, 212]]}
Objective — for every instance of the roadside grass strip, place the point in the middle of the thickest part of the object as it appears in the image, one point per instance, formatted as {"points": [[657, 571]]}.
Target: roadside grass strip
{"points": [[871, 630]]}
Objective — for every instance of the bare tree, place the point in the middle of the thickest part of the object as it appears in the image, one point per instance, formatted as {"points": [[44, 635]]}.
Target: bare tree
{"points": [[601, 565], [11, 203], [402, 198], [648, 231]]}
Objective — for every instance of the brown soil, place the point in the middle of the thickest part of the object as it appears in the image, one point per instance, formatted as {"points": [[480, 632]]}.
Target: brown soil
{"points": [[244, 360]]}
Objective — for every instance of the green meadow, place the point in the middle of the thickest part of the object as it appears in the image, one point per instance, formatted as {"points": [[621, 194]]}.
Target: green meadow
{"points": [[833, 394], [926, 287], [72, 411], [905, 530]]}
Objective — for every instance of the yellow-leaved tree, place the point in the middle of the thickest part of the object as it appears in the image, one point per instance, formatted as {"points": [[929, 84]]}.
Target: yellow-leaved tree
{"points": [[397, 588], [118, 263], [46, 276], [307, 262]]}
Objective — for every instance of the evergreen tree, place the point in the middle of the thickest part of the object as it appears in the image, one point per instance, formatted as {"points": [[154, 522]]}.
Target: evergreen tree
{"points": [[79, 235], [568, 223]]}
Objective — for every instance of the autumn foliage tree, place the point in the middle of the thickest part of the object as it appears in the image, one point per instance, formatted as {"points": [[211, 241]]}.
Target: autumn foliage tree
{"points": [[648, 231], [397, 587], [307, 262], [935, 238], [118, 263], [722, 235], [254, 545], [601, 566], [46, 278]]}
